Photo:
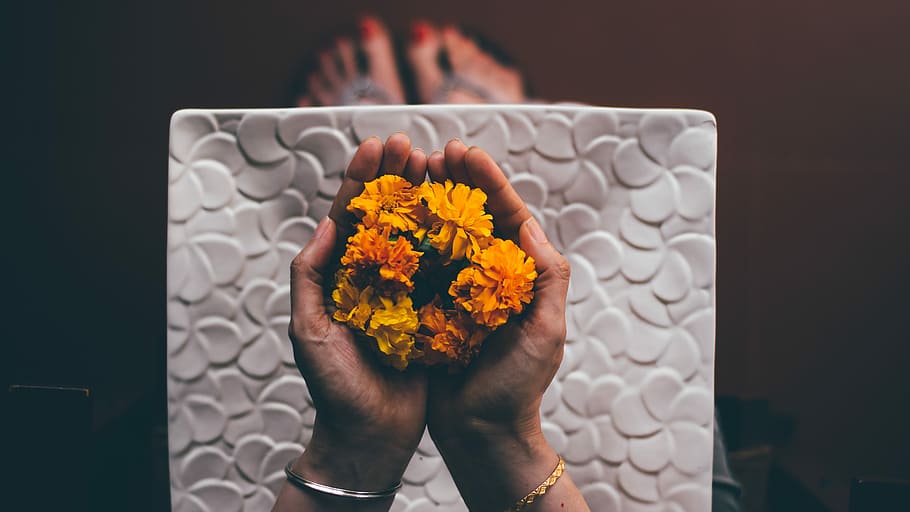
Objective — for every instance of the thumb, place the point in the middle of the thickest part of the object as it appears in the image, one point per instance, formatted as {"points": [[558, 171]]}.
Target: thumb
{"points": [[307, 299], [553, 270]]}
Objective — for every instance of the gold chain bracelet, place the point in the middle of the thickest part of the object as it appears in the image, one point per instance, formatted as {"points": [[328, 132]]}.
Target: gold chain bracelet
{"points": [[541, 489]]}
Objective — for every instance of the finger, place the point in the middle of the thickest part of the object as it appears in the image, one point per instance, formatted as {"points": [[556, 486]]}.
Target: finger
{"points": [[454, 152], [553, 271], [503, 202], [436, 167], [363, 167], [395, 155], [415, 170], [308, 311]]}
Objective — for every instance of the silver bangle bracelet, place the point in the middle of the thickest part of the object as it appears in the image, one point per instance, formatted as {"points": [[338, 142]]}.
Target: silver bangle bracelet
{"points": [[304, 484]]}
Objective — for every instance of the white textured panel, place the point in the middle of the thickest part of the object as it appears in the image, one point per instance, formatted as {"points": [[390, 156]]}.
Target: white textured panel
{"points": [[627, 195]]}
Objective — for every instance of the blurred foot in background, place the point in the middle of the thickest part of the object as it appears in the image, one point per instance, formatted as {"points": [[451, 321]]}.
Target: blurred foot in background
{"points": [[441, 65], [361, 72], [450, 67]]}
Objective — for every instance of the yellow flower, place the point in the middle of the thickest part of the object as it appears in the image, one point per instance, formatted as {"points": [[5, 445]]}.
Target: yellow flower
{"points": [[354, 305], [448, 336], [393, 325], [389, 200], [370, 252], [460, 227], [499, 282]]}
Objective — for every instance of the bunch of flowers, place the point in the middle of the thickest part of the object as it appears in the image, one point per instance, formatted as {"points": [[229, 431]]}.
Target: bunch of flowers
{"points": [[423, 278]]}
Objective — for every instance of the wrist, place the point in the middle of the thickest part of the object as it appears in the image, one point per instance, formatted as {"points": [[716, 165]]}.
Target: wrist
{"points": [[353, 461], [494, 466], [514, 440], [523, 428]]}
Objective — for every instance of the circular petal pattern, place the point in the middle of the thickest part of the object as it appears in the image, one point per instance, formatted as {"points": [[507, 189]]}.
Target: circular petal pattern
{"points": [[626, 195]]}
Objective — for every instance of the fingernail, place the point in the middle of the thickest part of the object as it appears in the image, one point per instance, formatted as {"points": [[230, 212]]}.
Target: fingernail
{"points": [[536, 231], [419, 32], [321, 228]]}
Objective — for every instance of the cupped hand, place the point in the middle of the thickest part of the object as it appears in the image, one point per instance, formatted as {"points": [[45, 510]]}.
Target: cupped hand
{"points": [[369, 417], [503, 386], [486, 420]]}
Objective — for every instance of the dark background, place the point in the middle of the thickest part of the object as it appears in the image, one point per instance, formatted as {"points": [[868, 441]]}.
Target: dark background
{"points": [[812, 99]]}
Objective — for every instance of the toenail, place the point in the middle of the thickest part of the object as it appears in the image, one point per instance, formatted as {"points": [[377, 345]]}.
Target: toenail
{"points": [[419, 32], [367, 28]]}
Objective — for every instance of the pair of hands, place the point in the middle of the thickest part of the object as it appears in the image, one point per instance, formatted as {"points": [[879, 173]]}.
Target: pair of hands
{"points": [[370, 417]]}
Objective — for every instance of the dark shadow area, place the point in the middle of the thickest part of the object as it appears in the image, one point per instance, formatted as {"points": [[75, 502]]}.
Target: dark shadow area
{"points": [[812, 211]]}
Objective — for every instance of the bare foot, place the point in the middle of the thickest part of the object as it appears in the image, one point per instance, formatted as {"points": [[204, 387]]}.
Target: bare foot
{"points": [[475, 76], [340, 81]]}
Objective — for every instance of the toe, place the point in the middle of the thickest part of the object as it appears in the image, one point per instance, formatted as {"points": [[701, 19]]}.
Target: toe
{"points": [[319, 91], [461, 50], [499, 82], [380, 56], [329, 67], [423, 56], [347, 56]]}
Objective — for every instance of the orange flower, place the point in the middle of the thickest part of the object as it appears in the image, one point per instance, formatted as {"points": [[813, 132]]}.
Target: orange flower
{"points": [[460, 227], [354, 305], [370, 252], [389, 200], [393, 325], [499, 282], [448, 336]]}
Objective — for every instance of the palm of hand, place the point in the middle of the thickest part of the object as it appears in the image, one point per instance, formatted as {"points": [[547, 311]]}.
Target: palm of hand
{"points": [[354, 394], [504, 384], [351, 388]]}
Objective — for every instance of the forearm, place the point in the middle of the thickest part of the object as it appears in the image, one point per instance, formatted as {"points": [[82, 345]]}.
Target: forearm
{"points": [[494, 469], [347, 465]]}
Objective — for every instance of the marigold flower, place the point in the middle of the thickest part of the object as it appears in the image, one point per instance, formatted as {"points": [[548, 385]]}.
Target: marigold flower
{"points": [[354, 306], [448, 336], [389, 200], [370, 252], [460, 226], [499, 282], [393, 325]]}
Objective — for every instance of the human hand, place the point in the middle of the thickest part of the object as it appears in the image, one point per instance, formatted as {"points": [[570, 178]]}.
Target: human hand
{"points": [[486, 420], [369, 417]]}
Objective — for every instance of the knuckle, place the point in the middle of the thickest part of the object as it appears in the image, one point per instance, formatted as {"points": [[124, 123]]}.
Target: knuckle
{"points": [[298, 264], [293, 329], [563, 269]]}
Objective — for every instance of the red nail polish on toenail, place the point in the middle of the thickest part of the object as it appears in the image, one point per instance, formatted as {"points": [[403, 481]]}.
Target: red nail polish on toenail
{"points": [[367, 28], [419, 32]]}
